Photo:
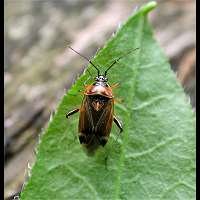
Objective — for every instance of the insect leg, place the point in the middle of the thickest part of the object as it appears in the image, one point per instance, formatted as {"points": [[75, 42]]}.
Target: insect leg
{"points": [[115, 85], [118, 124], [72, 112]]}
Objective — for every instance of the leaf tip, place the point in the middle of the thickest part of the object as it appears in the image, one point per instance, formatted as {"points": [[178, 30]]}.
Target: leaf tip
{"points": [[148, 7]]}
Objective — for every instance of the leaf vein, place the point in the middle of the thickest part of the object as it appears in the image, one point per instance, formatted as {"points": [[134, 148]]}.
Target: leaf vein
{"points": [[84, 180], [152, 101], [152, 149]]}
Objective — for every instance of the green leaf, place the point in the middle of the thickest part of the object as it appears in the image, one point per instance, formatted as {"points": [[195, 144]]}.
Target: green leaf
{"points": [[154, 158]]}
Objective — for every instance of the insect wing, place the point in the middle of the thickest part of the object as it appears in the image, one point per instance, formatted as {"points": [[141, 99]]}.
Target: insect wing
{"points": [[105, 119], [85, 120], [94, 123]]}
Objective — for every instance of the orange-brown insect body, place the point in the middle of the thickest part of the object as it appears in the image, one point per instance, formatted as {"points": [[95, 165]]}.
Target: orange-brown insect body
{"points": [[96, 114], [97, 111]]}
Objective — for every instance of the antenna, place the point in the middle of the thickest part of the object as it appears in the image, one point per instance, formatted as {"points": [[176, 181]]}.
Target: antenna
{"points": [[86, 59], [118, 60]]}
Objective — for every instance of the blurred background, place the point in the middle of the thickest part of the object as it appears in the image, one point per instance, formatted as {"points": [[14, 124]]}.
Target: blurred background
{"points": [[39, 69]]}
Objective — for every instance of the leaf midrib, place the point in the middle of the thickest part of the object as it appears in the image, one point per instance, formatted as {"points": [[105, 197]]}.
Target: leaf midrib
{"points": [[129, 105]]}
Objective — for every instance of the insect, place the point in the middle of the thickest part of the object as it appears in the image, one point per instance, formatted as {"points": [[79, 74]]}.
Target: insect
{"points": [[97, 111]]}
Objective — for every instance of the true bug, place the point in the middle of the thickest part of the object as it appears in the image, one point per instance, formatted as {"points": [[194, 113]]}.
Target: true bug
{"points": [[97, 111]]}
